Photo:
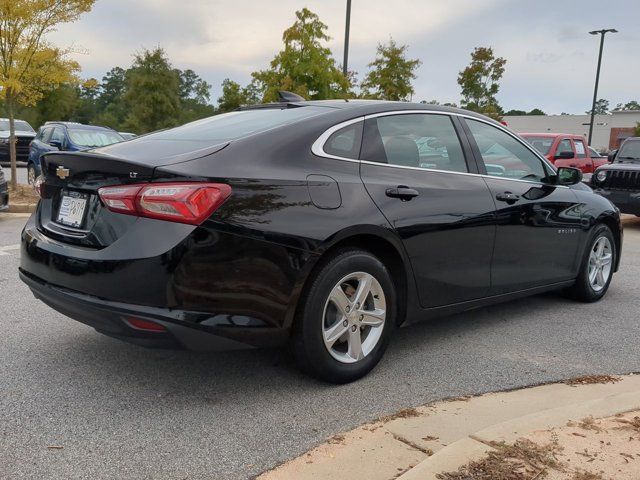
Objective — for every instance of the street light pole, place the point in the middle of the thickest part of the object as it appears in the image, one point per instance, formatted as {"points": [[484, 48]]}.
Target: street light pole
{"points": [[346, 39], [595, 90]]}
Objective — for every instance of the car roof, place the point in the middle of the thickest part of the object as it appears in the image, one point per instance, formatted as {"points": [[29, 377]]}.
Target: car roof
{"points": [[366, 107], [550, 134], [75, 125]]}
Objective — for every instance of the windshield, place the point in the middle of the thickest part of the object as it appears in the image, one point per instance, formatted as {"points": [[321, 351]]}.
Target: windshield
{"points": [[20, 125], [93, 138], [541, 144], [629, 151]]}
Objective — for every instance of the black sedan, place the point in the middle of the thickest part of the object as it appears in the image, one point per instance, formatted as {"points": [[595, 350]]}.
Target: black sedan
{"points": [[324, 225]]}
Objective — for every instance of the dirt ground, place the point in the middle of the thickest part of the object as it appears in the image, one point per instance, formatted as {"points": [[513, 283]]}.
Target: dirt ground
{"points": [[586, 449]]}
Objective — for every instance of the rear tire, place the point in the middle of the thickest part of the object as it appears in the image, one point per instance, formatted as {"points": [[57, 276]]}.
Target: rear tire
{"points": [[346, 317], [596, 270]]}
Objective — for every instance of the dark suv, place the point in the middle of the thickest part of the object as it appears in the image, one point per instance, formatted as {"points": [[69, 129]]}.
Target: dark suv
{"points": [[66, 136], [24, 134], [620, 180]]}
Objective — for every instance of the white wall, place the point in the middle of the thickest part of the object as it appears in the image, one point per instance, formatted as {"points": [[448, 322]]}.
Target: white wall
{"points": [[574, 124]]}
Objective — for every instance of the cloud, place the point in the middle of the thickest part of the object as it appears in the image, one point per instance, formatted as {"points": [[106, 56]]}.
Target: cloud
{"points": [[551, 58]]}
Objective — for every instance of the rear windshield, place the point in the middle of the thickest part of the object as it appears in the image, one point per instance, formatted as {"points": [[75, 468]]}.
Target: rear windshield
{"points": [[20, 125], [629, 151], [93, 138], [233, 125], [541, 144]]}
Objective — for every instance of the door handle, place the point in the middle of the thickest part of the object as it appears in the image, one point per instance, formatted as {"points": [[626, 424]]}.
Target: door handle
{"points": [[508, 197], [402, 192]]}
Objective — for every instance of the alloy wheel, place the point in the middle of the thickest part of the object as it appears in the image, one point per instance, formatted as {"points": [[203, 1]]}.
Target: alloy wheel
{"points": [[354, 317], [600, 263]]}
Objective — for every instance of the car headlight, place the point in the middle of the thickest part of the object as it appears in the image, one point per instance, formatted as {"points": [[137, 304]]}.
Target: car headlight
{"points": [[601, 176]]}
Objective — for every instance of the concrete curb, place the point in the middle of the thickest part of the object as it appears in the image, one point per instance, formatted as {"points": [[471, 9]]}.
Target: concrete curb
{"points": [[417, 444], [477, 444], [21, 208]]}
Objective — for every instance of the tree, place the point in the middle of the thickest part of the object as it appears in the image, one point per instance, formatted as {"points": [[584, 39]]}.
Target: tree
{"points": [[636, 131], [304, 66], [514, 112], [536, 111], [152, 93], [29, 65], [390, 74], [602, 107], [479, 82], [233, 96], [632, 105]]}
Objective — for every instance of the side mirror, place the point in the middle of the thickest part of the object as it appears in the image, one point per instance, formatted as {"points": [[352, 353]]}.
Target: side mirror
{"points": [[569, 176], [564, 155], [612, 155], [56, 143]]}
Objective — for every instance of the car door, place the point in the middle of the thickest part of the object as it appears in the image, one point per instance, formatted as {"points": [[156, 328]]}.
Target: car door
{"points": [[39, 146], [565, 148], [421, 176], [537, 222]]}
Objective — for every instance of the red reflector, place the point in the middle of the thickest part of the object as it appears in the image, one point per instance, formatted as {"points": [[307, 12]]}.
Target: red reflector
{"points": [[184, 202], [147, 325]]}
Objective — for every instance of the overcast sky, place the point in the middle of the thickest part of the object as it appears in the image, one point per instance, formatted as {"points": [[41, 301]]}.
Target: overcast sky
{"points": [[551, 59]]}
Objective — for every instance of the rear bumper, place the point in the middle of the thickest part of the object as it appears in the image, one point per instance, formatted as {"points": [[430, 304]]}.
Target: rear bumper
{"points": [[627, 201], [110, 318]]}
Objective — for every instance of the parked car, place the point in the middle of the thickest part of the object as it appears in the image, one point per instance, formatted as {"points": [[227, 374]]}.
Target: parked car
{"points": [[597, 155], [322, 224], [4, 192], [127, 135], [565, 150], [620, 180], [24, 134], [66, 136]]}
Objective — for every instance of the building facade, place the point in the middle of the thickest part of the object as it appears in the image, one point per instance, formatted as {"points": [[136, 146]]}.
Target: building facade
{"points": [[609, 131]]}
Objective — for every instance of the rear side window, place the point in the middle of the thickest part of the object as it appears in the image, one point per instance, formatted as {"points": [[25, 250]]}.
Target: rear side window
{"points": [[416, 140], [581, 152], [345, 142]]}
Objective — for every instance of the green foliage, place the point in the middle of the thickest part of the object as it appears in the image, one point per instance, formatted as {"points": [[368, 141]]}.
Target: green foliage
{"points": [[29, 65], [602, 107], [479, 82], [535, 111], [390, 74], [631, 105], [304, 66], [636, 131], [233, 96]]}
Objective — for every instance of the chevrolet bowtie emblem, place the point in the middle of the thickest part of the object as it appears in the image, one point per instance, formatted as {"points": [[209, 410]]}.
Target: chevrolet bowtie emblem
{"points": [[62, 172]]}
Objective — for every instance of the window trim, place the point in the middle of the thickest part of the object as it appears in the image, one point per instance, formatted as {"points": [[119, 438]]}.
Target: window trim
{"points": [[317, 148]]}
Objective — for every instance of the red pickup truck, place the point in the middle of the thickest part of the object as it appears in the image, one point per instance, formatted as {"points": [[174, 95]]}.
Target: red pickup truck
{"points": [[565, 150]]}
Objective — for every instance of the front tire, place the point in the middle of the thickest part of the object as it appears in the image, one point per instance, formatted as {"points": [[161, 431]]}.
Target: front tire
{"points": [[596, 270], [346, 317]]}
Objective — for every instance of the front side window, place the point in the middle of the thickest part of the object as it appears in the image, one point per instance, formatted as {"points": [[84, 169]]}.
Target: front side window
{"points": [[415, 140], [504, 156], [630, 150], [57, 136], [564, 146], [345, 142]]}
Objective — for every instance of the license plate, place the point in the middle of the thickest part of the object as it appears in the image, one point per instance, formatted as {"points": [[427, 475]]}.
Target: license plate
{"points": [[71, 210]]}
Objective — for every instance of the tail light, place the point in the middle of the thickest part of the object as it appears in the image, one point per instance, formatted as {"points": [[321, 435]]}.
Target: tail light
{"points": [[148, 325], [184, 202]]}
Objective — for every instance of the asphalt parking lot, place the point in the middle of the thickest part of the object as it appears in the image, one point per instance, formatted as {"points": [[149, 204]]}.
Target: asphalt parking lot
{"points": [[120, 411]]}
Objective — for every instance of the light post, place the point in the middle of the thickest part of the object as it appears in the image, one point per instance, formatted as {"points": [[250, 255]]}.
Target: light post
{"points": [[595, 90], [346, 39]]}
